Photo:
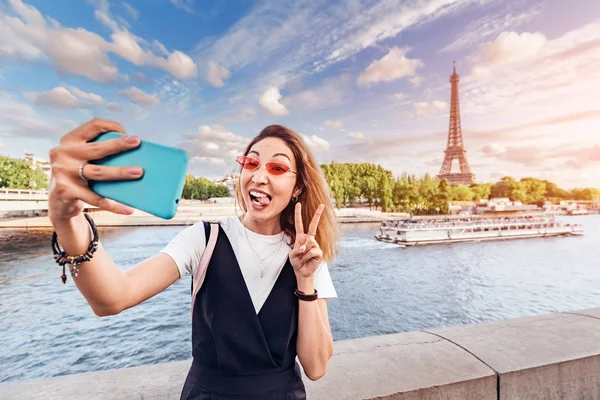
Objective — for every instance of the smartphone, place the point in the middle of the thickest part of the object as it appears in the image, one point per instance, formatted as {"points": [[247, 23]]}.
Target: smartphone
{"points": [[159, 190]]}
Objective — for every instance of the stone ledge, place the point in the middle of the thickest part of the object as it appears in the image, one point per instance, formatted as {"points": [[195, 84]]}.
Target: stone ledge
{"points": [[557, 355], [554, 356], [413, 364]]}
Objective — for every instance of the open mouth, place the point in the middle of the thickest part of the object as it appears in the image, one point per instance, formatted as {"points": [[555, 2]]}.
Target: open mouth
{"points": [[259, 198]]}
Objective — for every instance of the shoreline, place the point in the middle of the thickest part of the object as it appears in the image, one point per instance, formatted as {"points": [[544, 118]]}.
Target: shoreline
{"points": [[191, 213], [107, 221]]}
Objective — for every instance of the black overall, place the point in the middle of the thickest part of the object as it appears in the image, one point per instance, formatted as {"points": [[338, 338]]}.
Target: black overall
{"points": [[238, 354]]}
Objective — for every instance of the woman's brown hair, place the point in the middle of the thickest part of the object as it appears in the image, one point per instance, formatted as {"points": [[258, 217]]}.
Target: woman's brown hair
{"points": [[313, 187]]}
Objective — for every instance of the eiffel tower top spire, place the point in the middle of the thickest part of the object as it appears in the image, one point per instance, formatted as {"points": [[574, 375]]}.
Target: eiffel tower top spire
{"points": [[455, 148]]}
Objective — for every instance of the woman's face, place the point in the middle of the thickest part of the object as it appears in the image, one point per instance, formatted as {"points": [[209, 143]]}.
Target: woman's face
{"points": [[267, 195]]}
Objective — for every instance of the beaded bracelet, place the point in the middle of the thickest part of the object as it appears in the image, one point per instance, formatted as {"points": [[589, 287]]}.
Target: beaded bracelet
{"points": [[62, 258]]}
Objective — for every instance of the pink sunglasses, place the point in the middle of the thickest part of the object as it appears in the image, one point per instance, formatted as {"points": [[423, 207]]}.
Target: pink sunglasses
{"points": [[273, 168]]}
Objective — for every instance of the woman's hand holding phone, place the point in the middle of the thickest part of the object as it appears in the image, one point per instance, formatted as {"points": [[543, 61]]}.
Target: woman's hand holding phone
{"points": [[68, 190]]}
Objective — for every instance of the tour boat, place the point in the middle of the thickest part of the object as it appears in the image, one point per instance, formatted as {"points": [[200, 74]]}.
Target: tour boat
{"points": [[411, 233]]}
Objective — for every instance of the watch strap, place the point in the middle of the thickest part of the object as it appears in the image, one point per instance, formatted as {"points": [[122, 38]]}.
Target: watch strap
{"points": [[306, 297]]}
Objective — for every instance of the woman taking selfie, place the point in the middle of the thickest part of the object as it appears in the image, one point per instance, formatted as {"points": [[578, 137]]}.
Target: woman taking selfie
{"points": [[262, 300]]}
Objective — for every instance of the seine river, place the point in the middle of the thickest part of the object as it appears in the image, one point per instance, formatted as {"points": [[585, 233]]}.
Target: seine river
{"points": [[49, 330]]}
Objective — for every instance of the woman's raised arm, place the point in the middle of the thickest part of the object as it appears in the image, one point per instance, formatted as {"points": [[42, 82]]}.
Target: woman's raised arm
{"points": [[107, 289]]}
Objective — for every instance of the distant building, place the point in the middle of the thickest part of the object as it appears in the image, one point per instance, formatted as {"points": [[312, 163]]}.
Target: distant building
{"points": [[35, 163], [229, 182]]}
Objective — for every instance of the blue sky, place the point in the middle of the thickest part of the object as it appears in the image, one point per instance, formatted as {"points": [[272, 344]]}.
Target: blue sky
{"points": [[363, 81]]}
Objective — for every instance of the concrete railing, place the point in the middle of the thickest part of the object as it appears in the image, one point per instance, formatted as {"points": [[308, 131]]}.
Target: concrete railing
{"points": [[548, 357], [23, 194]]}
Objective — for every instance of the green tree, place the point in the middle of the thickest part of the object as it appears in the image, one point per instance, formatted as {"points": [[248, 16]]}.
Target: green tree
{"points": [[462, 193], [481, 191], [202, 189], [534, 189], [583, 194], [443, 197], [377, 187], [40, 178], [385, 190], [504, 187], [17, 174]]}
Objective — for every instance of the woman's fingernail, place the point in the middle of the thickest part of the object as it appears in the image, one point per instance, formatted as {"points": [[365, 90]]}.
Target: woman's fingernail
{"points": [[128, 210], [131, 139], [302, 248], [135, 170]]}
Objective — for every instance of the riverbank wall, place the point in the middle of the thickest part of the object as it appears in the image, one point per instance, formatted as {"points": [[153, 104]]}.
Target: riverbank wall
{"points": [[550, 357], [188, 213]]}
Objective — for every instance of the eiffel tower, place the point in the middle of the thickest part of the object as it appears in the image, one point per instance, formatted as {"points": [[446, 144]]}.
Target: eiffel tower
{"points": [[455, 148]]}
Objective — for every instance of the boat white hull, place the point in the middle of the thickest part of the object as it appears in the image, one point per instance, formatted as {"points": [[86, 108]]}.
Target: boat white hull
{"points": [[457, 237]]}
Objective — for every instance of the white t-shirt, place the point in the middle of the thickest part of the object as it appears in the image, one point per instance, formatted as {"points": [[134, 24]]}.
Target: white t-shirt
{"points": [[187, 247]]}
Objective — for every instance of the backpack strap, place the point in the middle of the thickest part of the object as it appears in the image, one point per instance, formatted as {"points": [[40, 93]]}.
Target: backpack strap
{"points": [[204, 260]]}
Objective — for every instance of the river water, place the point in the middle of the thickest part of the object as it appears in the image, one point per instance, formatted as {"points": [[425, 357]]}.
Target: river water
{"points": [[47, 328]]}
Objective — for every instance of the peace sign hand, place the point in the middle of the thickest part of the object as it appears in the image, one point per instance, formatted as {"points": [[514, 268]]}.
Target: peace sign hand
{"points": [[306, 254]]}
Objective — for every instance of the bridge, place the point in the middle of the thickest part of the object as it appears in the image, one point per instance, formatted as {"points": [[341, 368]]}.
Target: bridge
{"points": [[14, 200]]}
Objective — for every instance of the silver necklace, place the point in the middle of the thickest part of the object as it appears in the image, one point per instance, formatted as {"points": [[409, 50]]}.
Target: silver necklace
{"points": [[261, 261]]}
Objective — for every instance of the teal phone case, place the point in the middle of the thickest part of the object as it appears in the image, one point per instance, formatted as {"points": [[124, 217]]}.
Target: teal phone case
{"points": [[159, 190]]}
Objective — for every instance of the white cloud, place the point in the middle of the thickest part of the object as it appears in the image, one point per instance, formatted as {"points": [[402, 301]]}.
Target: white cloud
{"points": [[27, 35], [20, 120], [493, 149], [140, 97], [415, 81], [397, 96], [270, 102], [126, 45], [213, 149], [425, 109], [356, 135], [333, 124], [273, 40], [160, 48], [490, 25], [394, 65], [521, 72], [209, 160], [135, 14], [58, 97], [385, 19], [178, 64], [510, 47], [211, 146], [104, 15], [94, 98], [217, 74], [316, 143], [535, 155], [331, 92], [186, 5], [65, 98]]}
